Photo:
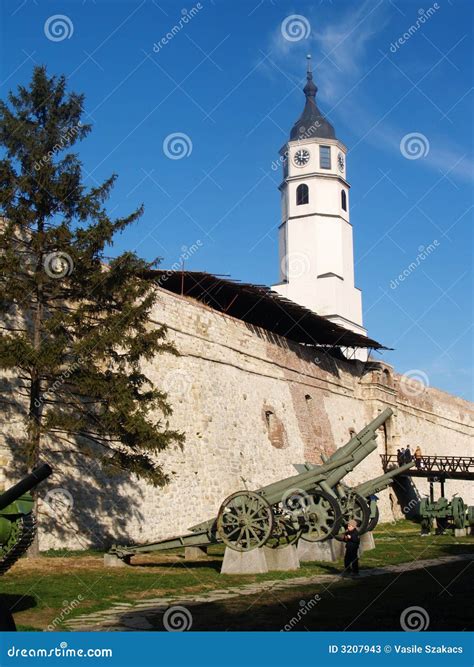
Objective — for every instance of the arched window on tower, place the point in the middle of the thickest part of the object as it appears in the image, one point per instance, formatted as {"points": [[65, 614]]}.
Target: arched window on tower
{"points": [[343, 200], [302, 194]]}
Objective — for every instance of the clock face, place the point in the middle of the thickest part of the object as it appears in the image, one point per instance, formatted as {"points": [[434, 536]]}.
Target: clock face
{"points": [[301, 157], [340, 161]]}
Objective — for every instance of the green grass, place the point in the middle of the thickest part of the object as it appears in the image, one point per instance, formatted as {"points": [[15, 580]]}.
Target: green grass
{"points": [[37, 591]]}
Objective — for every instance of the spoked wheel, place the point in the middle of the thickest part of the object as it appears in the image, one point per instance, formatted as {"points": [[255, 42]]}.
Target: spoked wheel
{"points": [[321, 516], [459, 512], [354, 508], [286, 530], [245, 521], [373, 521]]}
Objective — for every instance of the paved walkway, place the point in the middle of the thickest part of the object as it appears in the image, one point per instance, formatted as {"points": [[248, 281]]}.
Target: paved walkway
{"points": [[128, 616]]}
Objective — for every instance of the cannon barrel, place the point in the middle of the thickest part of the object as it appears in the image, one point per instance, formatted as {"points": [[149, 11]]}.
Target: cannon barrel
{"points": [[274, 492], [26, 484], [346, 467], [305, 480], [359, 439], [379, 483]]}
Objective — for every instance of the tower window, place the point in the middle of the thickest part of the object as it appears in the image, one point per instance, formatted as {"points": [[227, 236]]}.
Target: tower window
{"points": [[343, 200], [302, 194], [325, 157]]}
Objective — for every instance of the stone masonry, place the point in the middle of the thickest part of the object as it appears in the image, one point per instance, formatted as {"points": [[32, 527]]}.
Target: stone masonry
{"points": [[251, 405]]}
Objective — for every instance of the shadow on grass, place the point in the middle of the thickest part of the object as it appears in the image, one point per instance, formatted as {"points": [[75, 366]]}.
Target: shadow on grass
{"points": [[376, 603], [10, 604]]}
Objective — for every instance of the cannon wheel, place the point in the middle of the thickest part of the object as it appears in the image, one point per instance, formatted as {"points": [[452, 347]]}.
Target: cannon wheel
{"points": [[284, 532], [374, 520], [459, 512], [321, 516], [359, 511], [245, 521]]}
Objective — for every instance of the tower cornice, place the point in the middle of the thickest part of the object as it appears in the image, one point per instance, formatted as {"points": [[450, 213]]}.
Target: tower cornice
{"points": [[312, 174]]}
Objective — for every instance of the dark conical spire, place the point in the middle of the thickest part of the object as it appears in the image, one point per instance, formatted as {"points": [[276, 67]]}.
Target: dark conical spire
{"points": [[311, 122], [310, 88]]}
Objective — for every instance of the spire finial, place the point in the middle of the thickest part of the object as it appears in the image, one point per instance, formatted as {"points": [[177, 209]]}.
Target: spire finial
{"points": [[310, 88]]}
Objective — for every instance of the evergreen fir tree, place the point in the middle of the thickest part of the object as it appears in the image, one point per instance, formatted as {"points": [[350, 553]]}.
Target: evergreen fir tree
{"points": [[75, 329]]}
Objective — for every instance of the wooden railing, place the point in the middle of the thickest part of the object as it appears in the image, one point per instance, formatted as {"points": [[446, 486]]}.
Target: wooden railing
{"points": [[449, 466]]}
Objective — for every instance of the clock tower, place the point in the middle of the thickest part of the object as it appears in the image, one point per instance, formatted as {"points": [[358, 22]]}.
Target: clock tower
{"points": [[315, 235]]}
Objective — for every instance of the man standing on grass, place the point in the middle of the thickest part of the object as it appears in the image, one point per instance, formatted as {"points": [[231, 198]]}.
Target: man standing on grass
{"points": [[351, 558]]}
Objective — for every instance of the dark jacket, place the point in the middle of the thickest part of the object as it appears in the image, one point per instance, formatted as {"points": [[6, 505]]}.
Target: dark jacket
{"points": [[352, 544]]}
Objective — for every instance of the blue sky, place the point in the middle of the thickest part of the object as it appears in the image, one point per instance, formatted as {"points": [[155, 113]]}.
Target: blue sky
{"points": [[231, 82]]}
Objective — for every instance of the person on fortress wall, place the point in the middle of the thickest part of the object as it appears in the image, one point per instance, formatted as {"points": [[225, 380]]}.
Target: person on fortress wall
{"points": [[408, 455], [351, 558]]}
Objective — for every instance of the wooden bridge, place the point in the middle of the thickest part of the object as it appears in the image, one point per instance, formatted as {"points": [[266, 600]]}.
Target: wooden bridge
{"points": [[439, 467]]}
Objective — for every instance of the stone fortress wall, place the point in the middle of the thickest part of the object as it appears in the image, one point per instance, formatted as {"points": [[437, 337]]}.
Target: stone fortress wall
{"points": [[251, 404]]}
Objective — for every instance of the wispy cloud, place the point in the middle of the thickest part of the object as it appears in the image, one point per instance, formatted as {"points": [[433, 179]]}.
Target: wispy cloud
{"points": [[341, 48]]}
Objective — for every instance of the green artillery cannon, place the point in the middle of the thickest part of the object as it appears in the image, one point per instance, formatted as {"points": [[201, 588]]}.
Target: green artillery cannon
{"points": [[17, 522], [447, 514], [366, 513], [304, 506], [360, 503]]}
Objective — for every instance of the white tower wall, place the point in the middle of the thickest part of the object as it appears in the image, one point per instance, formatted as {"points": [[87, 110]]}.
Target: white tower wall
{"points": [[315, 238]]}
